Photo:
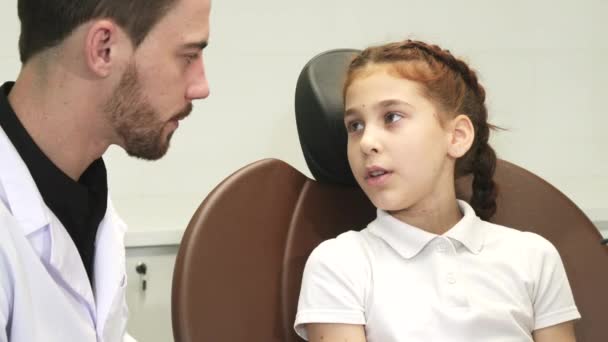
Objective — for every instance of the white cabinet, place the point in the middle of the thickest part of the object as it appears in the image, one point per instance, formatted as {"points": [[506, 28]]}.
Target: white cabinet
{"points": [[150, 309]]}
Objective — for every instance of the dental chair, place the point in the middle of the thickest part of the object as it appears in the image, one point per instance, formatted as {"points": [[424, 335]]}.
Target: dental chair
{"points": [[239, 267]]}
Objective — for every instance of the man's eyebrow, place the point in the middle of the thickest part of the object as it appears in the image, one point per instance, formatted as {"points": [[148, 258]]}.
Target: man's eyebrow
{"points": [[196, 45]]}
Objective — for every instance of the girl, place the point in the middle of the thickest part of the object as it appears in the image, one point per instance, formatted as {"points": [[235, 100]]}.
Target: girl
{"points": [[429, 267]]}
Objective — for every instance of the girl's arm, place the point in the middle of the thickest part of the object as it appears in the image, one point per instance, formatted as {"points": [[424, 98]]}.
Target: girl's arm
{"points": [[563, 332], [331, 332]]}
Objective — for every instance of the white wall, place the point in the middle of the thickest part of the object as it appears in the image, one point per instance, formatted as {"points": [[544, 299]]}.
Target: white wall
{"points": [[543, 63]]}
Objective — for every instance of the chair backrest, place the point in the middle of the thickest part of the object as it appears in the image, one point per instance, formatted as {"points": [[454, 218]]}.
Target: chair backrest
{"points": [[239, 267]]}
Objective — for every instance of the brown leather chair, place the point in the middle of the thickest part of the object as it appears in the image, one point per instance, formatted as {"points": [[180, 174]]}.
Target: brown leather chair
{"points": [[238, 271]]}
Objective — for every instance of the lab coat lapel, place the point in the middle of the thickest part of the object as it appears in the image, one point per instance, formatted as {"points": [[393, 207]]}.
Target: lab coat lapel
{"points": [[27, 206], [66, 261], [110, 278]]}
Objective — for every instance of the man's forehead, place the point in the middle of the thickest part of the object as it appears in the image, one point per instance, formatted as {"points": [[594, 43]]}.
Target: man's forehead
{"points": [[186, 23], [190, 10]]}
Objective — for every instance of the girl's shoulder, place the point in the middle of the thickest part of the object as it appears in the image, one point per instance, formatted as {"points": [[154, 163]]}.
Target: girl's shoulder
{"points": [[349, 253], [522, 241], [346, 246]]}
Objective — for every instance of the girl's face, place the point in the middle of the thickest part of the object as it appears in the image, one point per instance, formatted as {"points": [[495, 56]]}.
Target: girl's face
{"points": [[397, 148]]}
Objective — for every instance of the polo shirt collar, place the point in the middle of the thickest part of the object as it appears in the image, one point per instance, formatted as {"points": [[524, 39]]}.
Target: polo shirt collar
{"points": [[408, 240], [405, 239], [469, 230]]}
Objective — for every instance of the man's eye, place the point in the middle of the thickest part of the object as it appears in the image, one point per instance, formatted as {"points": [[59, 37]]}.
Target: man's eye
{"points": [[354, 126], [191, 58], [392, 117]]}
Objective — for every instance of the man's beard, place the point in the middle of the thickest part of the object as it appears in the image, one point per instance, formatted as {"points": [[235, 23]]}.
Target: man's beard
{"points": [[135, 121]]}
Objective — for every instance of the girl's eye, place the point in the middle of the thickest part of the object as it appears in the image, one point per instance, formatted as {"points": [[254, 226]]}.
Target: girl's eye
{"points": [[354, 126], [392, 117]]}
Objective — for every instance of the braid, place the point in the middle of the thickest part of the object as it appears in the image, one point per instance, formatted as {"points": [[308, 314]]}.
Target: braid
{"points": [[456, 65], [481, 158], [450, 81], [485, 190]]}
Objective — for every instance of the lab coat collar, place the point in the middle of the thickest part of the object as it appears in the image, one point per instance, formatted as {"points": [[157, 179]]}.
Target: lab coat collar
{"points": [[27, 206], [22, 196]]}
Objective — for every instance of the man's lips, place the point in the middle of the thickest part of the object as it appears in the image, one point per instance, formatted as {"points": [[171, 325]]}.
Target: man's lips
{"points": [[183, 113]]}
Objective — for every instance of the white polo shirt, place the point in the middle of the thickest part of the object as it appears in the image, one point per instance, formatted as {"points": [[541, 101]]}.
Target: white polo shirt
{"points": [[477, 282]]}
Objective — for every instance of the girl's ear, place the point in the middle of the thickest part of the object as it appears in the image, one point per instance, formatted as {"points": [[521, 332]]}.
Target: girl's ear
{"points": [[461, 136]]}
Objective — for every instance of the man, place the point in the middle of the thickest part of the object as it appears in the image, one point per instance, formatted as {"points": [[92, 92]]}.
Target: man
{"points": [[95, 73]]}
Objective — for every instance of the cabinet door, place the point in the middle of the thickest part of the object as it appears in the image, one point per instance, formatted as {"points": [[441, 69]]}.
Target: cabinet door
{"points": [[150, 308]]}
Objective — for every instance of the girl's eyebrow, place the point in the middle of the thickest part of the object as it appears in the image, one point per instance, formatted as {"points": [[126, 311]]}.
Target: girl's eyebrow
{"points": [[391, 102], [379, 105], [350, 112]]}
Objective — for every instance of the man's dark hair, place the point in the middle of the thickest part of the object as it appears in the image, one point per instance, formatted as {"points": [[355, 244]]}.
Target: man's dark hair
{"points": [[46, 23]]}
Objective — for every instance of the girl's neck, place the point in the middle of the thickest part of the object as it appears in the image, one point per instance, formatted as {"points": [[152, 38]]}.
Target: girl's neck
{"points": [[435, 215]]}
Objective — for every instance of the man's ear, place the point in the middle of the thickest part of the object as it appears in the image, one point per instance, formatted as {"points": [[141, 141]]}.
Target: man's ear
{"points": [[101, 41], [462, 135]]}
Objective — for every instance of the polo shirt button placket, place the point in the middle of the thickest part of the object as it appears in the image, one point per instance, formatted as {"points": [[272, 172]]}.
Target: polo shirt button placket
{"points": [[451, 278], [442, 248], [443, 245]]}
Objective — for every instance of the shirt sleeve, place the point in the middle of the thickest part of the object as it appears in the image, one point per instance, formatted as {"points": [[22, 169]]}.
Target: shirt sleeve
{"points": [[333, 284], [553, 300]]}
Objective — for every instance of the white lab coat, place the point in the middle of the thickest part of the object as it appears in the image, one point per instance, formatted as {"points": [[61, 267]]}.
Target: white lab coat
{"points": [[45, 294]]}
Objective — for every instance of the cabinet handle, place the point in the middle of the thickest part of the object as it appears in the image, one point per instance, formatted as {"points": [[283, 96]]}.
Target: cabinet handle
{"points": [[142, 269]]}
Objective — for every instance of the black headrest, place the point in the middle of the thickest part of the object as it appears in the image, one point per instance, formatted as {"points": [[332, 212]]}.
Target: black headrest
{"points": [[320, 116]]}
